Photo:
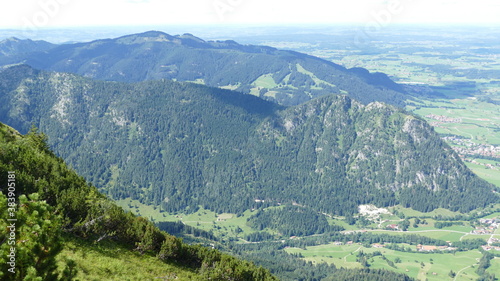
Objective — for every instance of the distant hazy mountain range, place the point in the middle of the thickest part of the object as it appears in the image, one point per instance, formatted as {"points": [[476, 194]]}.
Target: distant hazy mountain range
{"points": [[286, 77], [268, 128]]}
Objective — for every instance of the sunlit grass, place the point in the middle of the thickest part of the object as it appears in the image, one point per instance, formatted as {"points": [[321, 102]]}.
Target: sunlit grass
{"points": [[108, 260]]}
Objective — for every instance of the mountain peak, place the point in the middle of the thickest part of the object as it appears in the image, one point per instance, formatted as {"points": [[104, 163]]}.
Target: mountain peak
{"points": [[11, 39], [186, 39], [145, 37], [190, 36], [153, 33], [14, 45]]}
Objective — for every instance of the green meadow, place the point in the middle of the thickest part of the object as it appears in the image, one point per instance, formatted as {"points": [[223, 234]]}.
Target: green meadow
{"points": [[231, 225], [417, 265], [494, 267], [422, 266], [414, 213], [109, 261], [441, 234], [222, 225], [488, 174]]}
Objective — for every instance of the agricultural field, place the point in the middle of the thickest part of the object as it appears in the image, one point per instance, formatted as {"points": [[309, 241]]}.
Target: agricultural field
{"points": [[414, 213], [471, 128], [417, 265], [495, 267], [420, 265]]}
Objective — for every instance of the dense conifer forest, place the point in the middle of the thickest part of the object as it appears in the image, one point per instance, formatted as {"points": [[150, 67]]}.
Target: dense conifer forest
{"points": [[56, 206], [54, 200], [180, 146]]}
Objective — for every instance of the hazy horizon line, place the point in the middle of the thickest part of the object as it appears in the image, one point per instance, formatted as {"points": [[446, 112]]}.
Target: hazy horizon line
{"points": [[297, 24]]}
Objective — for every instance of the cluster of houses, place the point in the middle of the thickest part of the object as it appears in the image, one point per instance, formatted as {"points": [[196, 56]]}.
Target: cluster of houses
{"points": [[483, 230], [443, 119], [468, 147], [430, 248], [493, 240], [495, 222], [489, 248], [489, 226]]}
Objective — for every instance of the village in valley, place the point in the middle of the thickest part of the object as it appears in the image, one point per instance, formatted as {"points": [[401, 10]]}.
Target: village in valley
{"points": [[466, 147], [488, 227], [484, 226]]}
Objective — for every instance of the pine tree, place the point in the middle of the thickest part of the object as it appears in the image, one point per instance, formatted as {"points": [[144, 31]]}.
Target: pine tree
{"points": [[37, 242]]}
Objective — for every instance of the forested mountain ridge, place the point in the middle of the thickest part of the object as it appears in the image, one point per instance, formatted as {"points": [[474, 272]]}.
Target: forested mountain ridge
{"points": [[286, 77], [182, 145], [15, 46], [376, 153], [13, 50], [66, 230], [54, 206]]}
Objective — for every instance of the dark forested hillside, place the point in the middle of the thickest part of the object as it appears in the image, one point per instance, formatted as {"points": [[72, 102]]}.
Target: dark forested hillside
{"points": [[51, 203], [287, 77], [292, 221], [181, 146], [59, 217]]}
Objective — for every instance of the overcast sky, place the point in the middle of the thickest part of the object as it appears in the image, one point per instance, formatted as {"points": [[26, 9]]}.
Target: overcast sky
{"points": [[66, 13]]}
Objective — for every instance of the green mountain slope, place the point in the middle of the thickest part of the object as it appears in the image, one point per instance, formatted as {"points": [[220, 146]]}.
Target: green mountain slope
{"points": [[65, 228], [287, 77], [14, 46], [13, 50], [181, 146]]}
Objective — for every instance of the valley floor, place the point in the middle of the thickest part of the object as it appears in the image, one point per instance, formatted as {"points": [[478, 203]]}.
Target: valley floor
{"points": [[436, 264]]}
